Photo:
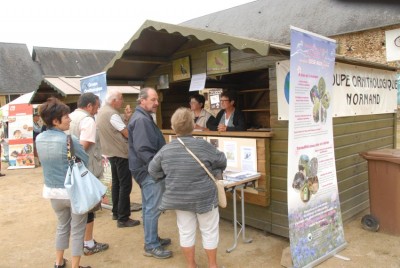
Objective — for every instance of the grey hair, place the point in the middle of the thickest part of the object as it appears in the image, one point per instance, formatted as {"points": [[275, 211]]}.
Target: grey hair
{"points": [[143, 94], [182, 121], [112, 95]]}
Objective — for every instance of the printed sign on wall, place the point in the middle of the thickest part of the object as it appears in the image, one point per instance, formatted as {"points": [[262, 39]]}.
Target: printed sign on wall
{"points": [[20, 133], [356, 90]]}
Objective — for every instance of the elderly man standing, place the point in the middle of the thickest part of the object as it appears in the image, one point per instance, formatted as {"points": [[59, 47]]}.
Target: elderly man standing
{"points": [[83, 127], [113, 137], [145, 140]]}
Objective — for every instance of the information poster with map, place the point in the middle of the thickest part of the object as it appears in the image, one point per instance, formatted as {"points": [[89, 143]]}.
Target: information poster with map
{"points": [[315, 221]]}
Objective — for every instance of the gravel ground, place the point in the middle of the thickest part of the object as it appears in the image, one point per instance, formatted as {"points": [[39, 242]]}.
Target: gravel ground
{"points": [[27, 226]]}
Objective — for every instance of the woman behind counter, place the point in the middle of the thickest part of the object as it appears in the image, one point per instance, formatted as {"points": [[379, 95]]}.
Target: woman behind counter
{"points": [[229, 118], [201, 116], [52, 150], [189, 189]]}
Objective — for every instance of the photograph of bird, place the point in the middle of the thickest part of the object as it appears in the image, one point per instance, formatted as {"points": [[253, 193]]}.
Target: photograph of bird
{"points": [[218, 61], [183, 70]]}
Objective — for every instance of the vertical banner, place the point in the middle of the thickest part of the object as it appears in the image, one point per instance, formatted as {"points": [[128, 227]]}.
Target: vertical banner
{"points": [[97, 84], [315, 221], [106, 202], [20, 133]]}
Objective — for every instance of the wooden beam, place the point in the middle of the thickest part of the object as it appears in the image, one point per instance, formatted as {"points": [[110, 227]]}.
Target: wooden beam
{"points": [[144, 59]]}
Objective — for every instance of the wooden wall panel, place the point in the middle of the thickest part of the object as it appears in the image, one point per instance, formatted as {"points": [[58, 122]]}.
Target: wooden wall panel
{"points": [[352, 135]]}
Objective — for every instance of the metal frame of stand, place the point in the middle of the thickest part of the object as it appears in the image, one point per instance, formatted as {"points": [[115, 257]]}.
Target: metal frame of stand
{"points": [[233, 187]]}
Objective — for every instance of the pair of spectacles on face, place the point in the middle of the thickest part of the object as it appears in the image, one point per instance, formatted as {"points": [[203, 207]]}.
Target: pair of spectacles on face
{"points": [[224, 100]]}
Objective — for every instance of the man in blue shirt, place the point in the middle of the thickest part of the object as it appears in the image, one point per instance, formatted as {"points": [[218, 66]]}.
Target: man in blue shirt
{"points": [[145, 140]]}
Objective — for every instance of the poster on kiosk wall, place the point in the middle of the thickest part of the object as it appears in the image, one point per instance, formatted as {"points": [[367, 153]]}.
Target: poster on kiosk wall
{"points": [[315, 221], [20, 133]]}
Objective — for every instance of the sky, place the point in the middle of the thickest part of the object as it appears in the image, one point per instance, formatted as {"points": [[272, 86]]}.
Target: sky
{"points": [[90, 24]]}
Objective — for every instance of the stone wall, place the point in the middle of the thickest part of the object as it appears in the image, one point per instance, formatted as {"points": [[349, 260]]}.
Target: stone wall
{"points": [[367, 45]]}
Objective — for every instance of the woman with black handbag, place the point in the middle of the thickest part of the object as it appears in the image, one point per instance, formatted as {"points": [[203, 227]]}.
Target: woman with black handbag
{"points": [[52, 150], [189, 189]]}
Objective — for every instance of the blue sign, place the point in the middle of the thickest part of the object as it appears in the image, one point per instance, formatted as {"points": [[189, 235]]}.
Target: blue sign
{"points": [[97, 84]]}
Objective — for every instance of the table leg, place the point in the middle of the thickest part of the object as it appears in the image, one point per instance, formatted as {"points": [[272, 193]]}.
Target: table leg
{"points": [[229, 250], [243, 228]]}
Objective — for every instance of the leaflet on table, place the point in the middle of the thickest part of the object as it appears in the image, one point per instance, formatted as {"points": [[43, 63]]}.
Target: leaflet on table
{"points": [[238, 175]]}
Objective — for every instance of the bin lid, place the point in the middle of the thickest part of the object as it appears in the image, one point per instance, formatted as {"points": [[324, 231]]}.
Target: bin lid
{"points": [[389, 155]]}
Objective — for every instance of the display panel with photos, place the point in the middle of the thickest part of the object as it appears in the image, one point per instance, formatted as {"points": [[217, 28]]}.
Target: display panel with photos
{"points": [[218, 61], [181, 69], [163, 82]]}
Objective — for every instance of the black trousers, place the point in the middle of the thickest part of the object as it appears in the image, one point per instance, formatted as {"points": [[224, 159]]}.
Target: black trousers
{"points": [[121, 187]]}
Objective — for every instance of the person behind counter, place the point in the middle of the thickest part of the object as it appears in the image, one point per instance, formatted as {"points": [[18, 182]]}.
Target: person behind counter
{"points": [[229, 118], [200, 115], [189, 189]]}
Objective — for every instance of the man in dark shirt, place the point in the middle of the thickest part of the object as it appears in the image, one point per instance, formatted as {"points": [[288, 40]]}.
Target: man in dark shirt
{"points": [[145, 140]]}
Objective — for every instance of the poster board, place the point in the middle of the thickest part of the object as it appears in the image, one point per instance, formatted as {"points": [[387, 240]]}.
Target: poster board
{"points": [[20, 133], [212, 100], [106, 179], [392, 42], [241, 153]]}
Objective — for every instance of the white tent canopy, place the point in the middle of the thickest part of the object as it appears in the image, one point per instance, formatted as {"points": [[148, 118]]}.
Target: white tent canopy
{"points": [[26, 98], [72, 86]]}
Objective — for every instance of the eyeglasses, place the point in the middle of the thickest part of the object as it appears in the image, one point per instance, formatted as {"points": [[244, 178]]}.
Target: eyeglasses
{"points": [[193, 102], [224, 100]]}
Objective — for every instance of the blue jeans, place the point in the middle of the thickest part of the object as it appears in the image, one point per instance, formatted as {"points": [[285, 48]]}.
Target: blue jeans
{"points": [[152, 192]]}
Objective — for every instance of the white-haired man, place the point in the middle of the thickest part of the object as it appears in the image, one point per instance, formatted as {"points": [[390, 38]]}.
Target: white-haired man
{"points": [[114, 141]]}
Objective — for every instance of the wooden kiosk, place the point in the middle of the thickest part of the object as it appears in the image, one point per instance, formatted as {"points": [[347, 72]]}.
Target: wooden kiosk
{"points": [[148, 59]]}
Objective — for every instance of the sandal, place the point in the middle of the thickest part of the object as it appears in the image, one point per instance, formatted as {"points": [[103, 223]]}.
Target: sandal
{"points": [[61, 266]]}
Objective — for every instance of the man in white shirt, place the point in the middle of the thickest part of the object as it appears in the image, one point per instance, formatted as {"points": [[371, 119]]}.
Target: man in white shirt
{"points": [[114, 142], [83, 126]]}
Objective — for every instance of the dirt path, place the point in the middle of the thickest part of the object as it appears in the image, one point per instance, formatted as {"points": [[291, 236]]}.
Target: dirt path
{"points": [[27, 226]]}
